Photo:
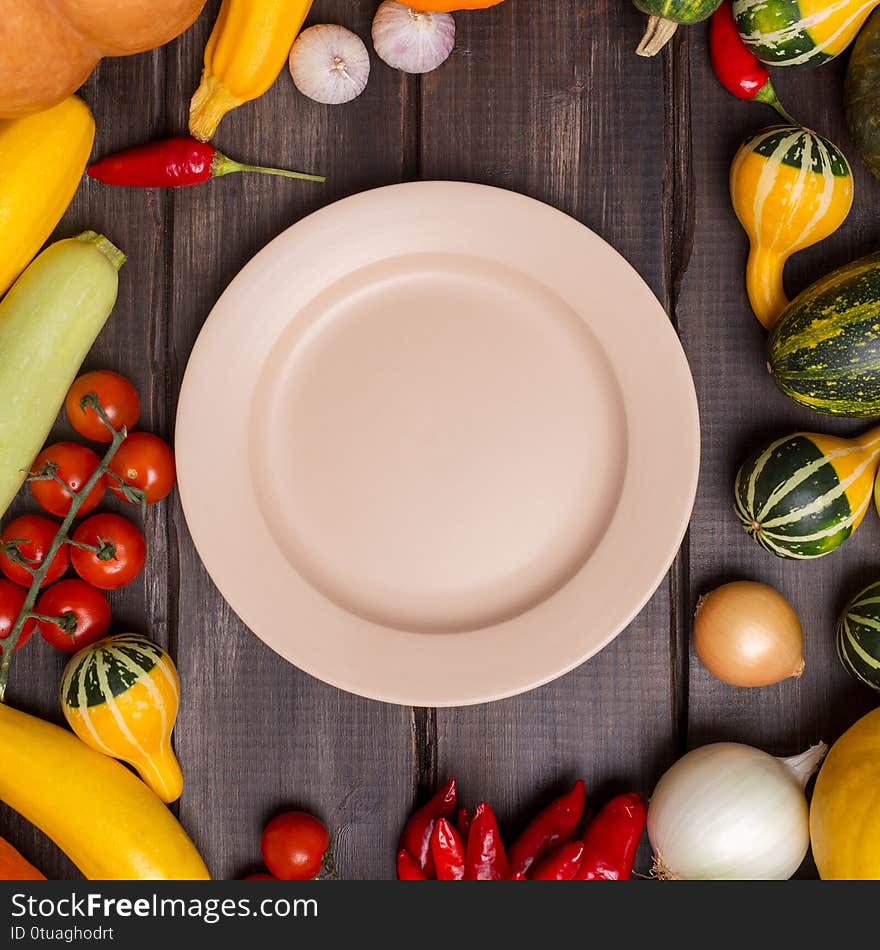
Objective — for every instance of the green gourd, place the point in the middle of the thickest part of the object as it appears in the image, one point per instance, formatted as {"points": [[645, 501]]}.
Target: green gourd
{"points": [[664, 17], [862, 94]]}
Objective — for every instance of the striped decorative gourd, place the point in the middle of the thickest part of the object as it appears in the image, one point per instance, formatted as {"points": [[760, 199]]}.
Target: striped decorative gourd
{"points": [[824, 351], [120, 696], [664, 17], [790, 188], [858, 636], [803, 495], [800, 32]]}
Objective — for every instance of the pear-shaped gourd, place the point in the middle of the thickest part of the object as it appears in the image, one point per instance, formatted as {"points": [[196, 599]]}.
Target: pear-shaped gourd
{"points": [[803, 495], [120, 696], [790, 188]]}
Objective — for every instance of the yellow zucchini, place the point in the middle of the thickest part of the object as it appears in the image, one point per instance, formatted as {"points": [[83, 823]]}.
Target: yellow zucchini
{"points": [[48, 323], [42, 158], [247, 49], [101, 815], [790, 188]]}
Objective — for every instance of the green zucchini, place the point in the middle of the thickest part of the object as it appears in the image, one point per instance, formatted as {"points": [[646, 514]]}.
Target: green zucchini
{"points": [[48, 323], [862, 94], [664, 17], [824, 351], [858, 636]]}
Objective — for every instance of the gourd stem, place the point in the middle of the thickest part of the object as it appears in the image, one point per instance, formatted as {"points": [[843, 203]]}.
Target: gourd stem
{"points": [[657, 35], [803, 766]]}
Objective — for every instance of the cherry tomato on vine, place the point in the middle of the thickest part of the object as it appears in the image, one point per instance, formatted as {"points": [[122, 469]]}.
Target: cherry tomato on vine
{"points": [[36, 534], [12, 598], [117, 396], [75, 464], [293, 846], [84, 610], [121, 555], [146, 462]]}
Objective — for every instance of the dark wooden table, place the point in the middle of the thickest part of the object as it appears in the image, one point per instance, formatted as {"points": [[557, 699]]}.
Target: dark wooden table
{"points": [[550, 100]]}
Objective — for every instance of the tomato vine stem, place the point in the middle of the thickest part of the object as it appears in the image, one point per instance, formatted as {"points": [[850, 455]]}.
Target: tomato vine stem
{"points": [[8, 645]]}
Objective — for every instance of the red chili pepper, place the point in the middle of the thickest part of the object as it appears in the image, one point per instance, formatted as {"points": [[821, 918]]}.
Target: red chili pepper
{"points": [[416, 837], [612, 839], [408, 868], [562, 865], [549, 828], [518, 876], [448, 850], [485, 859], [463, 822], [736, 66], [175, 163]]}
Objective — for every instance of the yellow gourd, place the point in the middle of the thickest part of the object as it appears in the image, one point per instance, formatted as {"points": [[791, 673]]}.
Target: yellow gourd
{"points": [[42, 158], [845, 811], [790, 188], [120, 696], [247, 49], [102, 816]]}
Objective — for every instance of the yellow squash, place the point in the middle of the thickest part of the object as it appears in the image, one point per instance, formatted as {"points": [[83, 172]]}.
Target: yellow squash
{"points": [[845, 811], [790, 188], [120, 696], [248, 48], [42, 158], [101, 815]]}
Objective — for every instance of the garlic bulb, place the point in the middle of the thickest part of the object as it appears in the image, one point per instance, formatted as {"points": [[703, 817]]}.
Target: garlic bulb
{"points": [[412, 41], [329, 64]]}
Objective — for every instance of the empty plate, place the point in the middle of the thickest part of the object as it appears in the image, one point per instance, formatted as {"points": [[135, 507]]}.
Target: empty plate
{"points": [[459, 436]]}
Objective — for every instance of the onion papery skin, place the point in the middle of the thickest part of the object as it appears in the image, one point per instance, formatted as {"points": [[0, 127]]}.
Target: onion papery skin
{"points": [[747, 634], [728, 811]]}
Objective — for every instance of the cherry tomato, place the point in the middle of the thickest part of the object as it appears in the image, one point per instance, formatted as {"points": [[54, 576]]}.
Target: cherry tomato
{"points": [[84, 609], [36, 532], [117, 396], [260, 877], [121, 556], [146, 462], [12, 598], [293, 846], [75, 464]]}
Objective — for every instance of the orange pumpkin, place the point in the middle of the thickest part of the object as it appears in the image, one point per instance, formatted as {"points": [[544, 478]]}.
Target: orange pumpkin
{"points": [[447, 6], [14, 867], [50, 47]]}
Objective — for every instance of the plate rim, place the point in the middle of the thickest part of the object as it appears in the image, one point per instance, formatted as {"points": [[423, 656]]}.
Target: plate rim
{"points": [[189, 401]]}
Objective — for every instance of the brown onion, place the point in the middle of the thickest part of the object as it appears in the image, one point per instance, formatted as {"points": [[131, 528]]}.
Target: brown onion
{"points": [[747, 634]]}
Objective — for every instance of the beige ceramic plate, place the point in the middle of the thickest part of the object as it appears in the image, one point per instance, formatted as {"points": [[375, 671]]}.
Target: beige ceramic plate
{"points": [[460, 438]]}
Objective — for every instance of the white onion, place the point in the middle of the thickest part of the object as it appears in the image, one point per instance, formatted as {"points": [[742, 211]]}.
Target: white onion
{"points": [[732, 812], [410, 40], [329, 64]]}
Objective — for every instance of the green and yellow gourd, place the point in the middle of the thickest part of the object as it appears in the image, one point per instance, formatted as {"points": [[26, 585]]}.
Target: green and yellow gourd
{"points": [[800, 32], [862, 95], [120, 696], [858, 636], [803, 495], [664, 18], [790, 188], [824, 352]]}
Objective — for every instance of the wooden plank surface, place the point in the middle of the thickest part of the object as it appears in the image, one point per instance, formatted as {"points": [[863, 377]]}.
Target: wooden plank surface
{"points": [[546, 99]]}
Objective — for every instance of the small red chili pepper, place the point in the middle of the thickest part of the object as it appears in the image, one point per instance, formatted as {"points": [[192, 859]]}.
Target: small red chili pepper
{"points": [[175, 163], [463, 822], [447, 849], [485, 859], [416, 837], [549, 828], [518, 876], [408, 868], [612, 840], [562, 865], [736, 66]]}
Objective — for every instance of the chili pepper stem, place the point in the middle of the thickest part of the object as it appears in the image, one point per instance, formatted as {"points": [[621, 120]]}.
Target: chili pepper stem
{"points": [[767, 95], [8, 645], [223, 165]]}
